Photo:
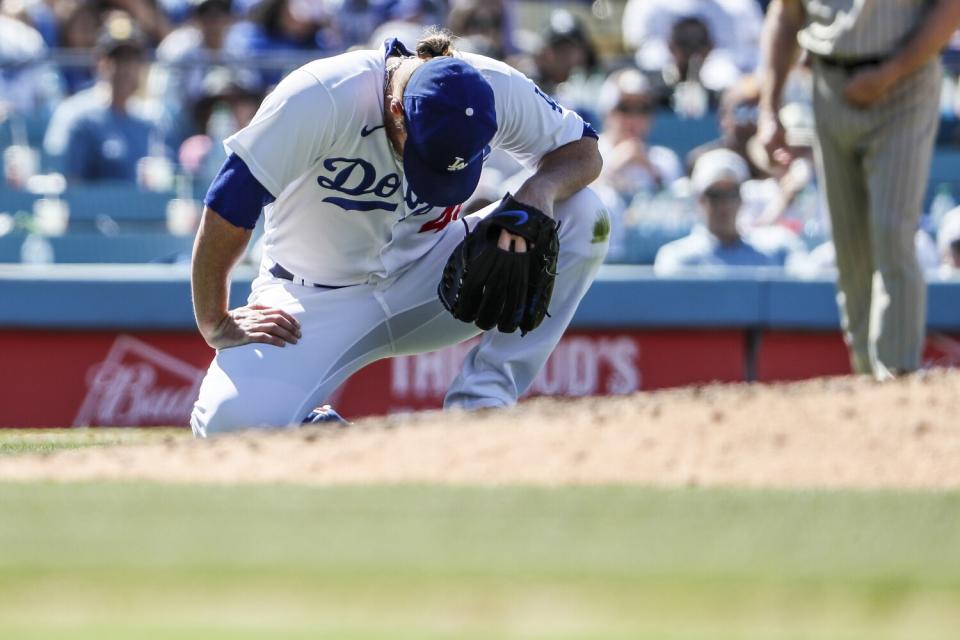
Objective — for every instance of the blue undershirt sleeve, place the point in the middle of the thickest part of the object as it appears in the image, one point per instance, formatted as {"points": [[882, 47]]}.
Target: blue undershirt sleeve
{"points": [[589, 131], [236, 195]]}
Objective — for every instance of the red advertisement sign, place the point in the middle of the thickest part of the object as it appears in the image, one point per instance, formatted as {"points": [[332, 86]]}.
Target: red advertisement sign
{"points": [[62, 379], [59, 379], [786, 355], [583, 364]]}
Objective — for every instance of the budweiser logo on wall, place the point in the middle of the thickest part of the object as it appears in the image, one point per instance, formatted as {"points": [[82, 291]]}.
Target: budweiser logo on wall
{"points": [[138, 385]]}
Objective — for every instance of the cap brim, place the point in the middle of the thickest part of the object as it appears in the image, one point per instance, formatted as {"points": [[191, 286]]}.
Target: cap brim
{"points": [[439, 188]]}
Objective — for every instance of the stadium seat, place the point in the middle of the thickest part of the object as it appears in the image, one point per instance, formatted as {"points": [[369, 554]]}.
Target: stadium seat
{"points": [[683, 134], [33, 126], [122, 202], [13, 201], [127, 205], [96, 248], [945, 167], [641, 242], [10, 247]]}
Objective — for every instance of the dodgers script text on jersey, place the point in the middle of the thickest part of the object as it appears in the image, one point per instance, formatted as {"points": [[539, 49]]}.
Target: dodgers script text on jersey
{"points": [[351, 214]]}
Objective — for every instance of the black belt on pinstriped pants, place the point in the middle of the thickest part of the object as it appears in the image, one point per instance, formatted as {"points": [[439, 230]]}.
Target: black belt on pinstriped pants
{"points": [[850, 65]]}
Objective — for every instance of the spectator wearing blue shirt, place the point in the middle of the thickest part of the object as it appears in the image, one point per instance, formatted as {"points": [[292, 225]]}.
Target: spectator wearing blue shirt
{"points": [[99, 135], [717, 177], [301, 29]]}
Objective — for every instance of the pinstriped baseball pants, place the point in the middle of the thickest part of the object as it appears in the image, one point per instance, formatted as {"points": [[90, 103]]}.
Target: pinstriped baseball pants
{"points": [[874, 164]]}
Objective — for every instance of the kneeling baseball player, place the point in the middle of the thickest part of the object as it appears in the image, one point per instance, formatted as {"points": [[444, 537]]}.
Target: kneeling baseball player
{"points": [[360, 163]]}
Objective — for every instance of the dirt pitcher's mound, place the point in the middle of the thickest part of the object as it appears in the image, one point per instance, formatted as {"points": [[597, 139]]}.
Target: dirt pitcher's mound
{"points": [[840, 432]]}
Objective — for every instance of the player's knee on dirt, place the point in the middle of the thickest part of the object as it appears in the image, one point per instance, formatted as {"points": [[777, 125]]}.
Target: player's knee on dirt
{"points": [[223, 417], [235, 413], [585, 225]]}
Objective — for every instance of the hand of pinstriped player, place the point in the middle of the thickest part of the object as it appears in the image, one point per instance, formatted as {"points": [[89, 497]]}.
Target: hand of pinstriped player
{"points": [[867, 87], [773, 137]]}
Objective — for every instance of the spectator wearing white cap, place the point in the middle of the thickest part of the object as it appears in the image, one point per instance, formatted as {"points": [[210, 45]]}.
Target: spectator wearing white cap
{"points": [[717, 177]]}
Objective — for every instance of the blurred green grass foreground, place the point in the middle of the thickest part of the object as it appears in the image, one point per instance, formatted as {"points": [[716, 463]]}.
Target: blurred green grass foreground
{"points": [[137, 560]]}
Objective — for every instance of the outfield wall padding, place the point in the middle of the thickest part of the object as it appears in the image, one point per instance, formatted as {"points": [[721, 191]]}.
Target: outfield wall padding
{"points": [[117, 345]]}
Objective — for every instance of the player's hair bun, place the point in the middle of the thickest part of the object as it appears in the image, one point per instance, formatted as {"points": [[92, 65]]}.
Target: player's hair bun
{"points": [[434, 43]]}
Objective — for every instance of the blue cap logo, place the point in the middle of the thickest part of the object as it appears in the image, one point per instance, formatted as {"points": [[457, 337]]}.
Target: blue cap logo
{"points": [[450, 119]]}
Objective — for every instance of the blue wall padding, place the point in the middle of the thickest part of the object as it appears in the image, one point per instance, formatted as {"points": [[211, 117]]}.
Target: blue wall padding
{"points": [[158, 297]]}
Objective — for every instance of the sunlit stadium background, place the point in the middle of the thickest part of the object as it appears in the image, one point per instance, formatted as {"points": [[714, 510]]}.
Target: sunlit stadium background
{"points": [[112, 117]]}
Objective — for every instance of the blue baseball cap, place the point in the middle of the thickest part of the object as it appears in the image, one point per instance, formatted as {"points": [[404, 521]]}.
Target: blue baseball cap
{"points": [[450, 118]]}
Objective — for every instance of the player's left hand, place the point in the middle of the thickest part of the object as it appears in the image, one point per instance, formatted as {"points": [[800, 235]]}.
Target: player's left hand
{"points": [[529, 195], [865, 88], [511, 242], [506, 285]]}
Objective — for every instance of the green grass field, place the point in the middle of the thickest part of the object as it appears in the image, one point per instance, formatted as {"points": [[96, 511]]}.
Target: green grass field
{"points": [[124, 560], [16, 441]]}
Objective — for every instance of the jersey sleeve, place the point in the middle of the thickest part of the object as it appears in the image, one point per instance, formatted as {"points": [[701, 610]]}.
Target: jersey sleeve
{"points": [[236, 195], [531, 123], [295, 124]]}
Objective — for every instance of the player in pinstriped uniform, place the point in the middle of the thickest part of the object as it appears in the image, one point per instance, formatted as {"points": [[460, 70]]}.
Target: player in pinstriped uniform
{"points": [[877, 82]]}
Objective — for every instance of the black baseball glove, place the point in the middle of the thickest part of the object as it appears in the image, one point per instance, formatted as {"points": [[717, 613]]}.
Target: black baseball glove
{"points": [[491, 287]]}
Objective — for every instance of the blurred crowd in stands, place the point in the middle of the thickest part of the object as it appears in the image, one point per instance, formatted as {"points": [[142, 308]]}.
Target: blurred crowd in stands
{"points": [[143, 92]]}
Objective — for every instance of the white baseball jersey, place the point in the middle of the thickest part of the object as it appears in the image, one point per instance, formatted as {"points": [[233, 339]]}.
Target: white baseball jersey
{"points": [[343, 211]]}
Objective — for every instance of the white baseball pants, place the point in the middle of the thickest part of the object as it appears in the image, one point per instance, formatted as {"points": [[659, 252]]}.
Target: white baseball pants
{"points": [[258, 385]]}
